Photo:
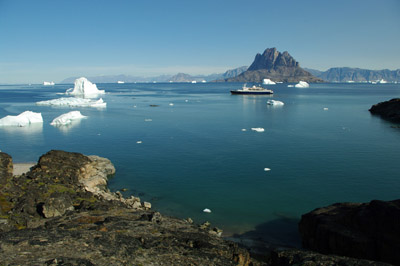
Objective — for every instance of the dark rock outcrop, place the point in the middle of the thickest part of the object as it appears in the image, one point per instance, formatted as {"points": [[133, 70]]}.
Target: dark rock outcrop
{"points": [[360, 230], [272, 64], [61, 213], [389, 110]]}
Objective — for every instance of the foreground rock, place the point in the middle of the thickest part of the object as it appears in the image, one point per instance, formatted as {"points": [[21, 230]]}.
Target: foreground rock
{"points": [[389, 110], [360, 230], [61, 213]]}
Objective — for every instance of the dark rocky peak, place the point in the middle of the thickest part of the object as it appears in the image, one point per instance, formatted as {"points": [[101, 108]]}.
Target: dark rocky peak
{"points": [[272, 59]]}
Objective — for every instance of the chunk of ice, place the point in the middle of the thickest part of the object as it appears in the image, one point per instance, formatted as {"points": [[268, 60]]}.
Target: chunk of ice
{"points": [[83, 86], [74, 102], [302, 84], [257, 129], [67, 118], [21, 120], [267, 169], [274, 102], [268, 82], [207, 210]]}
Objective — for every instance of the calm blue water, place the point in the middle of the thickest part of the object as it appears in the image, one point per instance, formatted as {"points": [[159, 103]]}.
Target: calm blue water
{"points": [[194, 154]]}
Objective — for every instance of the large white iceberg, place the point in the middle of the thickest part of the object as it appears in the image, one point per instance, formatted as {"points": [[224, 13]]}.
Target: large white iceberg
{"points": [[21, 120], [74, 102], [67, 118], [83, 87], [268, 82], [274, 102], [302, 84]]}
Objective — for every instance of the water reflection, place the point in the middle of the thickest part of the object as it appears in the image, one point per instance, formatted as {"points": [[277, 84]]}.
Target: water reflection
{"points": [[31, 129], [65, 129]]}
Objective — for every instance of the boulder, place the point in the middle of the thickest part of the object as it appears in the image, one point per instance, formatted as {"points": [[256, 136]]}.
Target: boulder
{"points": [[361, 230]]}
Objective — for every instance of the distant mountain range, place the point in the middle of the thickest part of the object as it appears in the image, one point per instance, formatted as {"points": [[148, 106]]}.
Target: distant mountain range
{"points": [[274, 65], [346, 74], [180, 77]]}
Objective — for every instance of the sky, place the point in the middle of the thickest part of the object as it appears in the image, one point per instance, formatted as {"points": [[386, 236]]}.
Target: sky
{"points": [[50, 40]]}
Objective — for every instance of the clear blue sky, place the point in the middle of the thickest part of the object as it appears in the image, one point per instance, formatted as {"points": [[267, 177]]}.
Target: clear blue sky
{"points": [[55, 39]]}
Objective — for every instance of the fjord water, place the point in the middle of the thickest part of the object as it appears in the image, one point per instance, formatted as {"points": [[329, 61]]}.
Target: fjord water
{"points": [[195, 154]]}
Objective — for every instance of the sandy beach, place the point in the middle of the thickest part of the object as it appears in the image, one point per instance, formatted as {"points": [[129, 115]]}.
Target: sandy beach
{"points": [[21, 168]]}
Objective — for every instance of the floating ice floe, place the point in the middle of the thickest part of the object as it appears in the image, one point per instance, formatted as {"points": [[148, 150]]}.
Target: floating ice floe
{"points": [[274, 102], [21, 120], [326, 109], [302, 84], [267, 169], [268, 82], [207, 210], [290, 86], [258, 129], [48, 83], [74, 102], [139, 142], [84, 87], [243, 129], [67, 118], [171, 104]]}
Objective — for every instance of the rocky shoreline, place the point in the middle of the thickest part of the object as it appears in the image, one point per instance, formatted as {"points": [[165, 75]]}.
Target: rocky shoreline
{"points": [[389, 110], [62, 213]]}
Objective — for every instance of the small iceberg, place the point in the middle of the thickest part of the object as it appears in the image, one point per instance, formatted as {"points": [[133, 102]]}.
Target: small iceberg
{"points": [[83, 87], [302, 84], [290, 86], [48, 83], [267, 169], [74, 102], [21, 120], [258, 129], [326, 108], [207, 210], [67, 118], [275, 103], [268, 82], [120, 82], [382, 81]]}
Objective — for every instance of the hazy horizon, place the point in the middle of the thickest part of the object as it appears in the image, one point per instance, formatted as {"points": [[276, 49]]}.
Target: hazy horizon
{"points": [[51, 41]]}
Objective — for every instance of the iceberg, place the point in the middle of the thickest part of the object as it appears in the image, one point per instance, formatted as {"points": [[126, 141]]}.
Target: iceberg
{"points": [[257, 129], [207, 210], [276, 103], [74, 102], [268, 82], [84, 87], [21, 120], [302, 84], [67, 118], [48, 83], [267, 169]]}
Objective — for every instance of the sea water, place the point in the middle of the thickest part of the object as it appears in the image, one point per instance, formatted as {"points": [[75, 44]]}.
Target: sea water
{"points": [[187, 147]]}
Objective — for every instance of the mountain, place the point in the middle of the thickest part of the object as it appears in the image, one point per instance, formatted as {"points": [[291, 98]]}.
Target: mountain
{"points": [[276, 66], [231, 73], [345, 74], [180, 77], [115, 78]]}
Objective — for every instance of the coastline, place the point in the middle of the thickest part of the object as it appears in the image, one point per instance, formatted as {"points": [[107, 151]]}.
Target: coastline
{"points": [[63, 210]]}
